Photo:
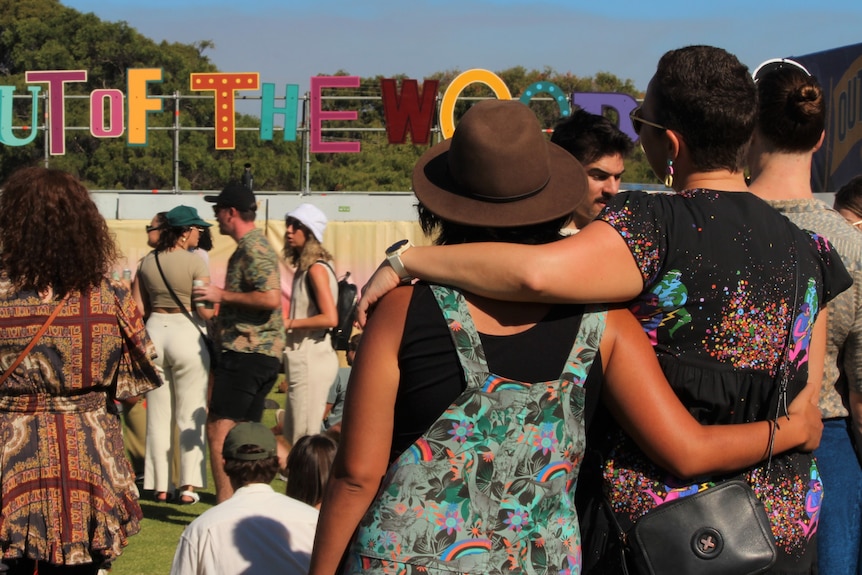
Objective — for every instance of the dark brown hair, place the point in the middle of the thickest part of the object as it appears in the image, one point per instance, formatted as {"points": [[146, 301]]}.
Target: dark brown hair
{"points": [[791, 110], [51, 232], [849, 197], [707, 95], [308, 465], [256, 471]]}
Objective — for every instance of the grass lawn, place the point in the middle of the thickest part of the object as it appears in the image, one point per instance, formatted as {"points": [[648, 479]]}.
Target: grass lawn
{"points": [[151, 551]]}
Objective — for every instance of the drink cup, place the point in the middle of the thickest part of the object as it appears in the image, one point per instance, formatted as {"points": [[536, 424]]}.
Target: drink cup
{"points": [[205, 304]]}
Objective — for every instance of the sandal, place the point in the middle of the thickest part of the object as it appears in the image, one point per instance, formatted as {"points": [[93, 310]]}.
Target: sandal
{"points": [[163, 496], [181, 500]]}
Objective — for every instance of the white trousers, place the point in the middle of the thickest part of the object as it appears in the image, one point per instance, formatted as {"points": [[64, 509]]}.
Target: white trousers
{"points": [[310, 366], [177, 409]]}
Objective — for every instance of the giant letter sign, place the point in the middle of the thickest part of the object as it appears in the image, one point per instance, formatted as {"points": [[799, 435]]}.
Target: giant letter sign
{"points": [[268, 109], [318, 116], [408, 110], [461, 81], [596, 102], [7, 136], [56, 80], [225, 87], [139, 105], [553, 91]]}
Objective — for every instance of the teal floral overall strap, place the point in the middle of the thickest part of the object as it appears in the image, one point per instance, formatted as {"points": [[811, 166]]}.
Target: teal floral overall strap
{"points": [[467, 343], [586, 344]]}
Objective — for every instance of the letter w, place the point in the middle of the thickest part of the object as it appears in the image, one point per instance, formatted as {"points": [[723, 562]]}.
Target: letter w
{"points": [[408, 110]]}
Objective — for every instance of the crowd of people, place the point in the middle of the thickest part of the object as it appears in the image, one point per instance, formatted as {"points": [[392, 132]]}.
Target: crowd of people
{"points": [[564, 360]]}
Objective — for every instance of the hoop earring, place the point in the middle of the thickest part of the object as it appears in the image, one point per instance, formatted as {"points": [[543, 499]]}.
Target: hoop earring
{"points": [[668, 179]]}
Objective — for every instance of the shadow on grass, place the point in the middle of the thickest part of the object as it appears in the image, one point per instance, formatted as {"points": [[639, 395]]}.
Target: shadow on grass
{"points": [[176, 513]]}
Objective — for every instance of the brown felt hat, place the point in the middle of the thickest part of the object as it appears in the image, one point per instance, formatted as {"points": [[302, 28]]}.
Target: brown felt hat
{"points": [[499, 170]]}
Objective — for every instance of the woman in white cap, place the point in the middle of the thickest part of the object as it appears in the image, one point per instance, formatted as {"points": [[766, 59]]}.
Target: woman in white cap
{"points": [[311, 363], [163, 287]]}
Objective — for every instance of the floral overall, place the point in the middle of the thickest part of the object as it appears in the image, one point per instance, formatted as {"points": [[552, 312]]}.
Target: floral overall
{"points": [[489, 488]]}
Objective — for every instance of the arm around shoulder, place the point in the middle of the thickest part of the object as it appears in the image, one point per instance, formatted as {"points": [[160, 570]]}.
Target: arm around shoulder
{"points": [[643, 403]]}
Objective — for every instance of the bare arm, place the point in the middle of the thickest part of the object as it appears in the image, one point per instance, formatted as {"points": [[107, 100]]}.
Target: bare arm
{"points": [[666, 431], [328, 316], [592, 266], [266, 300], [140, 296], [366, 435]]}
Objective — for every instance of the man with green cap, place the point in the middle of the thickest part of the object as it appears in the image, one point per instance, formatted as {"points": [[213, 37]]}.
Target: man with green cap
{"points": [[255, 531]]}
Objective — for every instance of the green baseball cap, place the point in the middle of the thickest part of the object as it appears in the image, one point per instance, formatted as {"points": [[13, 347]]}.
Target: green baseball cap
{"points": [[252, 434]]}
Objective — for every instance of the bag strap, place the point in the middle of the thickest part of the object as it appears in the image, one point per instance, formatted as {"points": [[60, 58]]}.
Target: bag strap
{"points": [[33, 341], [177, 299], [782, 374]]}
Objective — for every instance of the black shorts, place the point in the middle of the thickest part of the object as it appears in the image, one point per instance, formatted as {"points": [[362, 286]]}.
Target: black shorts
{"points": [[241, 383]]}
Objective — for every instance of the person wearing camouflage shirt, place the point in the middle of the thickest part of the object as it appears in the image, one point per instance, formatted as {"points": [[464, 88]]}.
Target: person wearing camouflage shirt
{"points": [[249, 326]]}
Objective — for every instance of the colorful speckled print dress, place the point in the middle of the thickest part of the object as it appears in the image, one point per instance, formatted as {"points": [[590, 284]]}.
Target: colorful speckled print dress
{"points": [[720, 280], [489, 488]]}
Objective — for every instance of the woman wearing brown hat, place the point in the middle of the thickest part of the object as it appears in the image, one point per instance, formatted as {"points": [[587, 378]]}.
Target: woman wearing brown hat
{"points": [[472, 411], [164, 286], [717, 277]]}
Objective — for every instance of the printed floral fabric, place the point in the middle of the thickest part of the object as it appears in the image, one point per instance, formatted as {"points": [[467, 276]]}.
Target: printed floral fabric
{"points": [[252, 267], [725, 278], [68, 491], [489, 488]]}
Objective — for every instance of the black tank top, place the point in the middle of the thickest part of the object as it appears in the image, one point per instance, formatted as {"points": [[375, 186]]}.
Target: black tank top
{"points": [[431, 377]]}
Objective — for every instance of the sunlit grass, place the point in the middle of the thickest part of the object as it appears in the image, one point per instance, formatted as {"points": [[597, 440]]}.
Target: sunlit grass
{"points": [[151, 551]]}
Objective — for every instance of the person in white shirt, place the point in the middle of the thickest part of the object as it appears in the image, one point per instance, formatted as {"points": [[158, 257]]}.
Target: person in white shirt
{"points": [[256, 530]]}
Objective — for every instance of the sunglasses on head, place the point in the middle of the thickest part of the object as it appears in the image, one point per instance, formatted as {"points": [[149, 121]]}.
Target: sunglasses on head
{"points": [[777, 64], [637, 119]]}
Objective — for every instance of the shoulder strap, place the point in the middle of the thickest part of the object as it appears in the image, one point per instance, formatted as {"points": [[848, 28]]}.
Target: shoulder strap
{"points": [[468, 345], [33, 341], [176, 298], [586, 345]]}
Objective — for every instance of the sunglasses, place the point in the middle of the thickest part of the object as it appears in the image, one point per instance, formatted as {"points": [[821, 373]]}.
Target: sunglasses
{"points": [[637, 120], [777, 64], [153, 228]]}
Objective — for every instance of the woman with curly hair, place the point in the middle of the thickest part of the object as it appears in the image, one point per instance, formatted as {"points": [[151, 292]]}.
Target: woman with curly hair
{"points": [[69, 501], [310, 361]]}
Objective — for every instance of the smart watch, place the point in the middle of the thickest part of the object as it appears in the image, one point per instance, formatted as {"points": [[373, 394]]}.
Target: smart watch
{"points": [[393, 256]]}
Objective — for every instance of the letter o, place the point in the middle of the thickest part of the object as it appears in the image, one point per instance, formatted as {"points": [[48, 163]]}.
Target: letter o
{"points": [[461, 81]]}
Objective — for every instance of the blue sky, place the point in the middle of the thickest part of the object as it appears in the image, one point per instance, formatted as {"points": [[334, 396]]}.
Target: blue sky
{"points": [[289, 41]]}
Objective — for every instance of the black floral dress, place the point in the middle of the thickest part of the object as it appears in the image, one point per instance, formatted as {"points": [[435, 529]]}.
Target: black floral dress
{"points": [[726, 277]]}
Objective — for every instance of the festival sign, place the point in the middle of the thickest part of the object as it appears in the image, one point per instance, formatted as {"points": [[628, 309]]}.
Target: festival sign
{"points": [[839, 72], [410, 109]]}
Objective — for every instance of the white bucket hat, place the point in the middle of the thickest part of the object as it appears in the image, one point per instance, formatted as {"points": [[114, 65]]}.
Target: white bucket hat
{"points": [[311, 217]]}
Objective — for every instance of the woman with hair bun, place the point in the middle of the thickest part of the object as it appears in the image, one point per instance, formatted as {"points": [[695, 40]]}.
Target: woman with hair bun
{"points": [[791, 116]]}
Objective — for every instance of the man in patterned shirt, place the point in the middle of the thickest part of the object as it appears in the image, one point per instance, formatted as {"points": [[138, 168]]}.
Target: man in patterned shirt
{"points": [[249, 326]]}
